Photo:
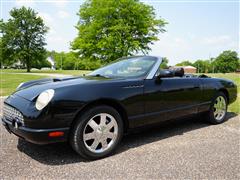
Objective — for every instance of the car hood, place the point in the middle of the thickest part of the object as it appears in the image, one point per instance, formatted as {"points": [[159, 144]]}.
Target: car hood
{"points": [[30, 90]]}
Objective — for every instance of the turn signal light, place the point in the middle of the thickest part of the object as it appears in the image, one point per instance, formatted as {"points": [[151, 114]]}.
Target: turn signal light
{"points": [[55, 134]]}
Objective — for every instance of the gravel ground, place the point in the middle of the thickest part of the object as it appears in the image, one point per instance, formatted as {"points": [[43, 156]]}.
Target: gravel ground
{"points": [[186, 149]]}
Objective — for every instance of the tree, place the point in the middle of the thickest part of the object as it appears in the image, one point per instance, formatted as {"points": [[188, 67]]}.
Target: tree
{"points": [[203, 66], [227, 61], [111, 29], [23, 37], [40, 64], [184, 63], [70, 60], [59, 58], [1, 54], [164, 64]]}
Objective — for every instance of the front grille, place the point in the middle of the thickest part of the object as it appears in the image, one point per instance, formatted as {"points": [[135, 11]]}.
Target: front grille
{"points": [[11, 113]]}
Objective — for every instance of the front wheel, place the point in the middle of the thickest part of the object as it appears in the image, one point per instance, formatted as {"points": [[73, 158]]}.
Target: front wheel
{"points": [[218, 110], [97, 132]]}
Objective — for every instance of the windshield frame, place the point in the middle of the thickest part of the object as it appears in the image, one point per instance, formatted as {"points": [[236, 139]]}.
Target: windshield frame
{"points": [[149, 74]]}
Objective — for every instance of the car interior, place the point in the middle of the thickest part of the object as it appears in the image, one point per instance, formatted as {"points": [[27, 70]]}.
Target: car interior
{"points": [[177, 72], [167, 73]]}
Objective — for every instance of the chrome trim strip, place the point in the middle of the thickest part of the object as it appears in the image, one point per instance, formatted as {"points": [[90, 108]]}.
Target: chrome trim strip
{"points": [[154, 69], [133, 86]]}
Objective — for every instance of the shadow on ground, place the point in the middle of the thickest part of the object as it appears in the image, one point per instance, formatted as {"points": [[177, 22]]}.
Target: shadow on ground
{"points": [[62, 153]]}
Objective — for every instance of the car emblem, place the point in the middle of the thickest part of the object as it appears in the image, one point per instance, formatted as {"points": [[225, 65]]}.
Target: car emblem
{"points": [[16, 125]]}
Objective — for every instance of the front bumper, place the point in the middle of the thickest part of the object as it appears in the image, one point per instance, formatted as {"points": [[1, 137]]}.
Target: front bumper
{"points": [[36, 136]]}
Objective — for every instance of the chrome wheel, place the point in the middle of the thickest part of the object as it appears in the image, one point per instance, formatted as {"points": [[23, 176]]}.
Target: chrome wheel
{"points": [[219, 108], [100, 133]]}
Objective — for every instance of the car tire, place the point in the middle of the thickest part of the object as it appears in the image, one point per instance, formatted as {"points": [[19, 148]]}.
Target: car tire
{"points": [[97, 132], [218, 109]]}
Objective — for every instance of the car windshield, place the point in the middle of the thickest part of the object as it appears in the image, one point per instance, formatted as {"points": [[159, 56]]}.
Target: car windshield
{"points": [[132, 67]]}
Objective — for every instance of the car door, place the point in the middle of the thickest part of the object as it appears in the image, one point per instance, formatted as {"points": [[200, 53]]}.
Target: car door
{"points": [[172, 97]]}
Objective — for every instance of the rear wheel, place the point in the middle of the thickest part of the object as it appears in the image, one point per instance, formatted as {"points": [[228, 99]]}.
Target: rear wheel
{"points": [[97, 132], [218, 110]]}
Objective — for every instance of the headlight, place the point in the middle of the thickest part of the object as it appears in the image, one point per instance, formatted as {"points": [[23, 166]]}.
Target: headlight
{"points": [[44, 98]]}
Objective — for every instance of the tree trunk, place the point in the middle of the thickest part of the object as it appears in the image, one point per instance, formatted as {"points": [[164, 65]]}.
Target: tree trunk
{"points": [[28, 64]]}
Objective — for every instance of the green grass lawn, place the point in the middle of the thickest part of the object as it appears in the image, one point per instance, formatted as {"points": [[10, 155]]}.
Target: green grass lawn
{"points": [[9, 81], [66, 72]]}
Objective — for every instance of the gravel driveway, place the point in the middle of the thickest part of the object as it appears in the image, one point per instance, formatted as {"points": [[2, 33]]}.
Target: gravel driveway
{"points": [[176, 150]]}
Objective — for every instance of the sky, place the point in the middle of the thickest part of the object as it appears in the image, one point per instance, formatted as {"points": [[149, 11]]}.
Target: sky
{"points": [[197, 29]]}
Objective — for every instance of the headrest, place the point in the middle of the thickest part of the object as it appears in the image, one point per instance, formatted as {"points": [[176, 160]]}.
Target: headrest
{"points": [[178, 72]]}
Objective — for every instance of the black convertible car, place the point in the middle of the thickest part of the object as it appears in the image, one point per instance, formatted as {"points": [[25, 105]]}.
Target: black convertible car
{"points": [[93, 112]]}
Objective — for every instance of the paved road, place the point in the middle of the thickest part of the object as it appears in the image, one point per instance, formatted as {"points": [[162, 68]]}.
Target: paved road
{"points": [[177, 150]]}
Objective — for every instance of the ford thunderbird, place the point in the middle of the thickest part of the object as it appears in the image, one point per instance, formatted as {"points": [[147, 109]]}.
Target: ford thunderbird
{"points": [[92, 112]]}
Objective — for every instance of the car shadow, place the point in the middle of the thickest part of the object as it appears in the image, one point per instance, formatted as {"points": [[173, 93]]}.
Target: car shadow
{"points": [[62, 153]]}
